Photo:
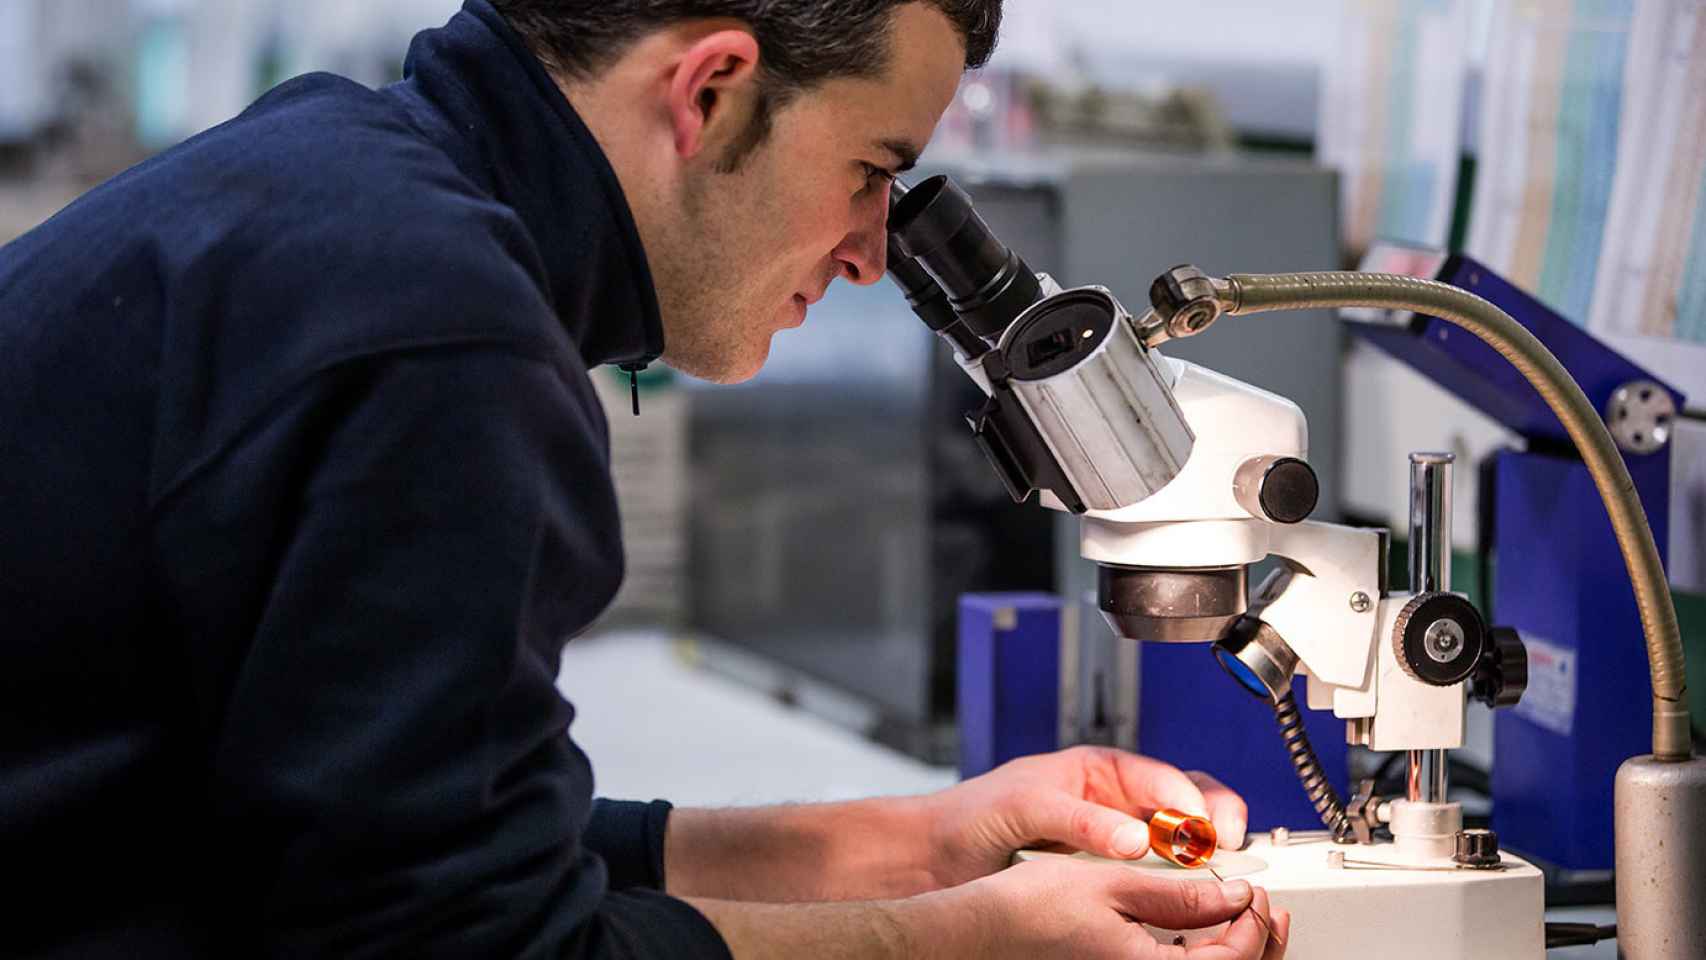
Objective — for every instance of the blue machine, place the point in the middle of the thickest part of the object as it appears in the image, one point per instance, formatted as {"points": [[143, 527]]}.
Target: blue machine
{"points": [[1008, 678], [1559, 577], [1191, 714]]}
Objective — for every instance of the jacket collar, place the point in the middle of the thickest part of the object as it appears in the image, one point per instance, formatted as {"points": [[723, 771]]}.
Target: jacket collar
{"points": [[477, 91]]}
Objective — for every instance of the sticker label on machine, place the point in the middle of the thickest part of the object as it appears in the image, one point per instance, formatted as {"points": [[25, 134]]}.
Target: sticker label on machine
{"points": [[1550, 699]]}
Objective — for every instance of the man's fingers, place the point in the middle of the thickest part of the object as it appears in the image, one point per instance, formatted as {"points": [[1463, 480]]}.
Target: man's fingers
{"points": [[1059, 818], [1137, 784], [1244, 938], [1248, 938], [1180, 904], [1282, 935], [1227, 809]]}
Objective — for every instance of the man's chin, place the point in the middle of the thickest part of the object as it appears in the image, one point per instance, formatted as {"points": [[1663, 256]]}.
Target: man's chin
{"points": [[725, 367]]}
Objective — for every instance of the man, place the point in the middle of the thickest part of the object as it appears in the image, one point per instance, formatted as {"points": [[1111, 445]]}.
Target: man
{"points": [[306, 484]]}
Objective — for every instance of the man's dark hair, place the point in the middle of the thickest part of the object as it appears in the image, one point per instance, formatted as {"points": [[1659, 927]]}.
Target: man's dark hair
{"points": [[801, 43]]}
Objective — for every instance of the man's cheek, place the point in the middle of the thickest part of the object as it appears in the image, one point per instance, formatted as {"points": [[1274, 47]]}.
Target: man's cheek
{"points": [[819, 233]]}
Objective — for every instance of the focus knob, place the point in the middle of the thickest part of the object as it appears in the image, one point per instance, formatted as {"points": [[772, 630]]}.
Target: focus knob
{"points": [[1502, 675], [1280, 489], [1439, 638]]}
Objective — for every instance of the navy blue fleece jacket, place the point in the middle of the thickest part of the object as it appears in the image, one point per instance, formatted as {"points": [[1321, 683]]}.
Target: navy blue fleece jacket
{"points": [[303, 485]]}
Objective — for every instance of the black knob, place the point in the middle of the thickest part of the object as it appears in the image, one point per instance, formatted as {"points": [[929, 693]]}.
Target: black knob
{"points": [[1439, 638], [1502, 674], [1289, 491], [1477, 848]]}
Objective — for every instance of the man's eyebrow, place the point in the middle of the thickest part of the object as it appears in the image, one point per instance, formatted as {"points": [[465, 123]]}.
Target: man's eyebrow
{"points": [[902, 149]]}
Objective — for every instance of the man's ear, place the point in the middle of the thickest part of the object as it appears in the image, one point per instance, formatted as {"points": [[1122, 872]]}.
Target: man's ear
{"points": [[712, 90]]}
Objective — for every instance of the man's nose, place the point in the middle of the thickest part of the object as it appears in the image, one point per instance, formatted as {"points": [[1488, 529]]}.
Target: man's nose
{"points": [[863, 253]]}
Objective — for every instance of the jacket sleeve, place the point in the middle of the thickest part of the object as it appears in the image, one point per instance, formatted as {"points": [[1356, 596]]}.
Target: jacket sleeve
{"points": [[391, 768], [628, 836]]}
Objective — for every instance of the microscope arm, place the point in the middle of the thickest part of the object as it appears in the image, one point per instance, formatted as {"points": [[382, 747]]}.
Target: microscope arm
{"points": [[1325, 603]]}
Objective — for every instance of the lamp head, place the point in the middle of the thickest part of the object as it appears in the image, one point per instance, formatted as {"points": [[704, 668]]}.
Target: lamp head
{"points": [[1257, 658]]}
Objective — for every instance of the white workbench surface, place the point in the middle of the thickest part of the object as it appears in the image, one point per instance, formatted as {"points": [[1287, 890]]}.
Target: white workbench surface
{"points": [[656, 727]]}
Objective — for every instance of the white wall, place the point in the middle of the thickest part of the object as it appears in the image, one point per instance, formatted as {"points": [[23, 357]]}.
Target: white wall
{"points": [[20, 81]]}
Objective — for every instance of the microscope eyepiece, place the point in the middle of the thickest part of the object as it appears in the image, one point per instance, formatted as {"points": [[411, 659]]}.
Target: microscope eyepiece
{"points": [[923, 294], [1076, 406], [987, 283]]}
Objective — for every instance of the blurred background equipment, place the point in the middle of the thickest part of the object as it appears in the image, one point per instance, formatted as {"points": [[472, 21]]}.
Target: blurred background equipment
{"points": [[838, 509], [648, 459], [1188, 119]]}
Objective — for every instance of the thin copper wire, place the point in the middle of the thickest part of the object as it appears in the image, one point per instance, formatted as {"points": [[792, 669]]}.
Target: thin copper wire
{"points": [[1189, 842], [1252, 908]]}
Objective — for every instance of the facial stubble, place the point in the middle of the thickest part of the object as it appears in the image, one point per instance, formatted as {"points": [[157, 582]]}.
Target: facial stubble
{"points": [[713, 329]]}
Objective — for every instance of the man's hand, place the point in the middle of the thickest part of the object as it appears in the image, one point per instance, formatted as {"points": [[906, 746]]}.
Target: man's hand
{"points": [[1032, 911], [1064, 908], [1086, 798]]}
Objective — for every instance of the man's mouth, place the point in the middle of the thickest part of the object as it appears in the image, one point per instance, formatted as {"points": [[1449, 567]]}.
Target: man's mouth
{"points": [[803, 301]]}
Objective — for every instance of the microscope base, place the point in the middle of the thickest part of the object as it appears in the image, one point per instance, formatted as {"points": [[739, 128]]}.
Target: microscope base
{"points": [[1357, 913]]}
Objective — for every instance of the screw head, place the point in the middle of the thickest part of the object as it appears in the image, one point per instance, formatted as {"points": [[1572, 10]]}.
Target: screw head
{"points": [[1442, 640], [1641, 414], [1360, 603], [1438, 638]]}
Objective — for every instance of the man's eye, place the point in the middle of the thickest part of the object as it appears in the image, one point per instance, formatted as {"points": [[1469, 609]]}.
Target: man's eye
{"points": [[876, 176]]}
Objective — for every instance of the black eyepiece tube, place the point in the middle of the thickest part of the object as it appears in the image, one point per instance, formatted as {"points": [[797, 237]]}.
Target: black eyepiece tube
{"points": [[925, 295], [922, 293], [987, 284]]}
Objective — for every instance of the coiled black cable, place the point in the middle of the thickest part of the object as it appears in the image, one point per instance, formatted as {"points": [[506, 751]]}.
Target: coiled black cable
{"points": [[1309, 772]]}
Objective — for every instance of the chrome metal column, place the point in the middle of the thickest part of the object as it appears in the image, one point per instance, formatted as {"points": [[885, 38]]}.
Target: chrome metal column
{"points": [[1430, 570], [1427, 782]]}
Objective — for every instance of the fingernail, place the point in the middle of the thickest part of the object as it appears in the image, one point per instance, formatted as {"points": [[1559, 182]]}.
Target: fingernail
{"points": [[1237, 891], [1128, 839]]}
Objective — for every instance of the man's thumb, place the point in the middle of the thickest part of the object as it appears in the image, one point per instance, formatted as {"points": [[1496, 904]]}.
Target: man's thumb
{"points": [[1183, 904]]}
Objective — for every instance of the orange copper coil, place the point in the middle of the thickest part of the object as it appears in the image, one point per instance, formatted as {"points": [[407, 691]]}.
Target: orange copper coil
{"points": [[1181, 838]]}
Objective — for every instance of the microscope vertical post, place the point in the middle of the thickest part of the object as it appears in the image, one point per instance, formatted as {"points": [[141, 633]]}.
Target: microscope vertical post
{"points": [[1430, 571]]}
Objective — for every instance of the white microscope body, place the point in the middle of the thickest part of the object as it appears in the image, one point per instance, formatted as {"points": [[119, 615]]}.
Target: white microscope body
{"points": [[1173, 565], [1406, 898], [1184, 478]]}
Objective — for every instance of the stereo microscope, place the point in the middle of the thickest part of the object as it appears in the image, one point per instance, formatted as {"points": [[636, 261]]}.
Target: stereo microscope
{"points": [[1184, 479]]}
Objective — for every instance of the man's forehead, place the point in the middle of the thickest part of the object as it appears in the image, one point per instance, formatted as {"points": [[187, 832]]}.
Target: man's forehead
{"points": [[927, 56], [886, 124], [895, 111]]}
